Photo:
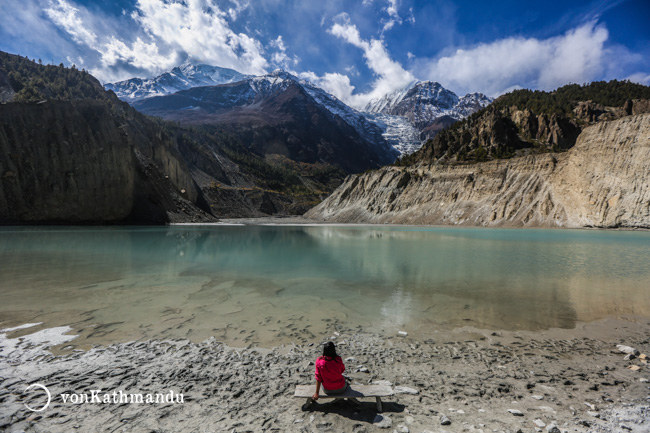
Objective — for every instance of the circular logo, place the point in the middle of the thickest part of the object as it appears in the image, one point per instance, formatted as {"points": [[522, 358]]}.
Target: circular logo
{"points": [[47, 391]]}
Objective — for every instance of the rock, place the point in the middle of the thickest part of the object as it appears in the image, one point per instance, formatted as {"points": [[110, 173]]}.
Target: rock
{"points": [[627, 349], [516, 412], [405, 390], [634, 368], [593, 413], [539, 423], [382, 421], [402, 333], [382, 382], [579, 183], [444, 420], [552, 428], [643, 380], [538, 397], [402, 429], [629, 357]]}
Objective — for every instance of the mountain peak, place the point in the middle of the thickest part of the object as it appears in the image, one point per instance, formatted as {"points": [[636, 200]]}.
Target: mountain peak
{"points": [[189, 74], [422, 102]]}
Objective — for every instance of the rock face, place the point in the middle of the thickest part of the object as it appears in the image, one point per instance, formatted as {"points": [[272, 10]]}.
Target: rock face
{"points": [[68, 161], [603, 181]]}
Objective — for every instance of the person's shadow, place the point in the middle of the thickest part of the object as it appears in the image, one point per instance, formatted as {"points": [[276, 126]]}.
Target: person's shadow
{"points": [[364, 411]]}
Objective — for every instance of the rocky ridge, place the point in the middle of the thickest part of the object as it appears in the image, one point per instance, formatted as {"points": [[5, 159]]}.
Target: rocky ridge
{"points": [[603, 181], [421, 109], [279, 114], [182, 77]]}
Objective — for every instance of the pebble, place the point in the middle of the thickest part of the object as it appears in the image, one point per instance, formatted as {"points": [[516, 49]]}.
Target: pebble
{"points": [[593, 413], [538, 397], [627, 349], [516, 412], [539, 423], [402, 333], [552, 428], [402, 429], [444, 420]]}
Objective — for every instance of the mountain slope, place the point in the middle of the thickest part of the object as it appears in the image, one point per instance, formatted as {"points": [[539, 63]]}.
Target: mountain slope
{"points": [[422, 102], [71, 152], [277, 114], [183, 77], [603, 181], [525, 122], [530, 159], [427, 106]]}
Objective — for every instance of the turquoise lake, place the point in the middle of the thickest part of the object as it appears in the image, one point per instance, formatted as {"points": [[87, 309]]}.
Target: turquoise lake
{"points": [[269, 285]]}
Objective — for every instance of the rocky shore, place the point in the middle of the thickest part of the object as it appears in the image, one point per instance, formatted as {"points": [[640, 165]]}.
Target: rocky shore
{"points": [[467, 380]]}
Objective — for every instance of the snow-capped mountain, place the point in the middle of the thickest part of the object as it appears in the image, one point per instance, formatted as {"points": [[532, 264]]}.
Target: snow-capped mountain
{"points": [[397, 131], [422, 102], [254, 90], [280, 114], [426, 106], [183, 77]]}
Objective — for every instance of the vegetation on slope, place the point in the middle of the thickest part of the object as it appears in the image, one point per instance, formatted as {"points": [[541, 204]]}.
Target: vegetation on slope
{"points": [[527, 121]]}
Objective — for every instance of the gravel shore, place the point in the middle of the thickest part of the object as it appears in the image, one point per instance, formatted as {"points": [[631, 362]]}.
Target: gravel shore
{"points": [[467, 380]]}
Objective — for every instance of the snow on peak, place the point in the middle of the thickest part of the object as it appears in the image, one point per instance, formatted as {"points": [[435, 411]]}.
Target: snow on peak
{"points": [[183, 77]]}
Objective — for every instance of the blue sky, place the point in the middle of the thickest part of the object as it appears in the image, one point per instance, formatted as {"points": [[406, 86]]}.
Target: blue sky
{"points": [[357, 50]]}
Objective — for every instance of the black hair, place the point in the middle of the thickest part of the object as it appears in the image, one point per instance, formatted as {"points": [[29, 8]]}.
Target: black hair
{"points": [[329, 350]]}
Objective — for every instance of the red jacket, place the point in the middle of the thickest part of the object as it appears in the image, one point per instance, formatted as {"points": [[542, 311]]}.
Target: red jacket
{"points": [[329, 371]]}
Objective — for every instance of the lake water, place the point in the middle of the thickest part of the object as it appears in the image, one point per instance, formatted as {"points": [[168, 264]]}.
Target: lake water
{"points": [[269, 285]]}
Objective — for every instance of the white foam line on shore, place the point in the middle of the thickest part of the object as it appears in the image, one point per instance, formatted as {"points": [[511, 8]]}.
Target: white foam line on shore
{"points": [[26, 325]]}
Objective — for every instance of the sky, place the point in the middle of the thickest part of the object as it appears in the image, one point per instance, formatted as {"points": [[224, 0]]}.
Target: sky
{"points": [[356, 50]]}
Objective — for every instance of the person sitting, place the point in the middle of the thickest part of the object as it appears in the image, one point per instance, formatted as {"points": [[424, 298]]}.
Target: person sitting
{"points": [[329, 372]]}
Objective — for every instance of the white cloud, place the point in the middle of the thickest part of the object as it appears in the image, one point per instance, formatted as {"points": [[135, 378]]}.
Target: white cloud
{"points": [[640, 77], [166, 32], [334, 83], [280, 58], [393, 15], [577, 56], [65, 16], [390, 74], [240, 6], [199, 29]]}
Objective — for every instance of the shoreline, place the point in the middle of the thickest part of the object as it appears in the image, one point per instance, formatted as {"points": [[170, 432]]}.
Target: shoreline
{"points": [[573, 378], [302, 221]]}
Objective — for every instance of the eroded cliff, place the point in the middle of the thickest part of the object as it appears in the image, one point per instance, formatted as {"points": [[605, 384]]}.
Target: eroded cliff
{"points": [[603, 181], [88, 161]]}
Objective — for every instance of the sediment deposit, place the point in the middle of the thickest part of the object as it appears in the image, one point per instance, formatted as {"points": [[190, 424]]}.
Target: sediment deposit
{"points": [[603, 181]]}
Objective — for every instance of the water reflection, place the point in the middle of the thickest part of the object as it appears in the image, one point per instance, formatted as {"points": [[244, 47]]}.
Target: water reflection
{"points": [[189, 281]]}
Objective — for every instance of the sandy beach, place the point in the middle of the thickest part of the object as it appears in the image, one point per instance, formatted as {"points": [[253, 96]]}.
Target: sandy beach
{"points": [[466, 380]]}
